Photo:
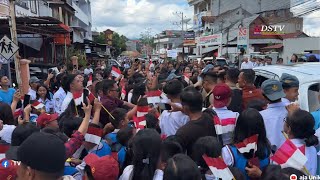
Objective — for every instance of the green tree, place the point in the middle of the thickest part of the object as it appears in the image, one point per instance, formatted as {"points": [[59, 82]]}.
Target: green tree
{"points": [[119, 43], [100, 39]]}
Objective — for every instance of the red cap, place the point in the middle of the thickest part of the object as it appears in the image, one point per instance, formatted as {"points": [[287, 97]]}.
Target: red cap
{"points": [[221, 95], [8, 169], [105, 167], [44, 119]]}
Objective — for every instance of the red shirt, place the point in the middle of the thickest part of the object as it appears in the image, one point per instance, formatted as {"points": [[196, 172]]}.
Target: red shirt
{"points": [[250, 93]]}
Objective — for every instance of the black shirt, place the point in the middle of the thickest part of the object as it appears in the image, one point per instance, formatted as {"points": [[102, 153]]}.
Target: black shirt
{"points": [[193, 130]]}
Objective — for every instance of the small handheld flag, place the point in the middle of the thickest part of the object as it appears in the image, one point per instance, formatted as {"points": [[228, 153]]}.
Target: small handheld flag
{"points": [[218, 168]]}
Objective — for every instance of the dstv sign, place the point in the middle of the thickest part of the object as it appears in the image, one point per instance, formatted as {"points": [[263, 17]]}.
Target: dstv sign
{"points": [[269, 30]]}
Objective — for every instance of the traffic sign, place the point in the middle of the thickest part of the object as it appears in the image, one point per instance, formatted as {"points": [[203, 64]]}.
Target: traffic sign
{"points": [[7, 47]]}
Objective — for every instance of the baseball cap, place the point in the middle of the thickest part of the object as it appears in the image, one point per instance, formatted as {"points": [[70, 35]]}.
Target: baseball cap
{"points": [[102, 168], [272, 89], [221, 95], [8, 169], [45, 118], [207, 68], [43, 152], [34, 79], [289, 81], [172, 76]]}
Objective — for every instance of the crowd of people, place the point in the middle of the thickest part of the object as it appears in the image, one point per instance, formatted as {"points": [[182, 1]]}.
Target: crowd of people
{"points": [[155, 121]]}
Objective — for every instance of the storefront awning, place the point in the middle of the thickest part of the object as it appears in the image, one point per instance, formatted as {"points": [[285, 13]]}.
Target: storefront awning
{"points": [[47, 26]]}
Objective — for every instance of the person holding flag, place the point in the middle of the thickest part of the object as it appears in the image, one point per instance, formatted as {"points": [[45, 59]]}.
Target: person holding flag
{"points": [[74, 84], [299, 129], [248, 153]]}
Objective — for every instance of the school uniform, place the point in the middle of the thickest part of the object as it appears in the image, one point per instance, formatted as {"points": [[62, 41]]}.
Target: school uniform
{"points": [[128, 174], [48, 104], [285, 101], [273, 118], [310, 153], [232, 157], [226, 115], [58, 98]]}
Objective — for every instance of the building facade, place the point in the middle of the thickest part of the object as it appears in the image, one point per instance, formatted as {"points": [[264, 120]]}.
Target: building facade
{"points": [[168, 40], [226, 16]]}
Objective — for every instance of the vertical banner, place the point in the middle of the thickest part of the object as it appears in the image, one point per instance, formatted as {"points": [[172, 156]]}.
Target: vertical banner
{"points": [[243, 39]]}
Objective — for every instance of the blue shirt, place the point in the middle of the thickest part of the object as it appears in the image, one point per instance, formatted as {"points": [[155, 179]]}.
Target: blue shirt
{"points": [[7, 96]]}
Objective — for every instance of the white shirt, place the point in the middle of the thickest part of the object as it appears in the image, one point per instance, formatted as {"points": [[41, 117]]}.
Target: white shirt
{"points": [[311, 154], [273, 118], [66, 101], [33, 94], [170, 122], [58, 98], [48, 104], [285, 101], [87, 71], [224, 114], [128, 173], [247, 65], [6, 132]]}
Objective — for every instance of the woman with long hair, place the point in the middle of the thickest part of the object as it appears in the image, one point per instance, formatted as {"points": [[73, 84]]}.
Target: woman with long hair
{"points": [[45, 97], [146, 147], [299, 128], [249, 123]]}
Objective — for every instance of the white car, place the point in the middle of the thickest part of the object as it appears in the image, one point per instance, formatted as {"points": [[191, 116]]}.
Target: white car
{"points": [[309, 78]]}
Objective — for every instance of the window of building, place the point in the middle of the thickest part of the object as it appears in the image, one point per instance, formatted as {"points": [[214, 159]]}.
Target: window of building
{"points": [[33, 6], [21, 3]]}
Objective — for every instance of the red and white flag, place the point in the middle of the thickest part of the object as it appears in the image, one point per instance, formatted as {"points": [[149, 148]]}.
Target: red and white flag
{"points": [[225, 125], [89, 83], [288, 155], [247, 144], [123, 93], [115, 72], [3, 149], [78, 98], [140, 120], [154, 97], [17, 112], [37, 105], [93, 135], [218, 168]]}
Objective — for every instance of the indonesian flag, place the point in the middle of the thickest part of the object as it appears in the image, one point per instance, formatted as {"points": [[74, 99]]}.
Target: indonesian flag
{"points": [[37, 105], [115, 72], [288, 155], [224, 126], [123, 93], [153, 97], [89, 81], [17, 112], [247, 144], [93, 135], [140, 120], [218, 168], [78, 98]]}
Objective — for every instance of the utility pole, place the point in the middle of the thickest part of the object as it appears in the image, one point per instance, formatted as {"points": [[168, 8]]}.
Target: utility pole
{"points": [[13, 30], [182, 28]]}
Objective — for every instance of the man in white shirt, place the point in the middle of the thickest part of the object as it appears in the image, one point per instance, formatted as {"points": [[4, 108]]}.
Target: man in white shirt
{"points": [[246, 64], [58, 97], [88, 70], [74, 83], [275, 113], [34, 83], [170, 122]]}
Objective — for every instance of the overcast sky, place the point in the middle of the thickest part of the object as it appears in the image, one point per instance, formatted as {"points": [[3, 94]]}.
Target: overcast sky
{"points": [[131, 17]]}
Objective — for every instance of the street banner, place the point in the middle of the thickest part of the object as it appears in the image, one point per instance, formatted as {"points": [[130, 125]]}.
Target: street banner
{"points": [[243, 38], [214, 39]]}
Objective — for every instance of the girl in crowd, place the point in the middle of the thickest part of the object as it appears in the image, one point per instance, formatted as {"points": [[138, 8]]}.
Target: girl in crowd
{"points": [[181, 167], [45, 97], [249, 123], [299, 128], [146, 151], [209, 146]]}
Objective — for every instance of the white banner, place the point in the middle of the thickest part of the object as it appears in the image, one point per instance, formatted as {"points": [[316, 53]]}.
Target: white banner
{"points": [[243, 38], [172, 53], [214, 39]]}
